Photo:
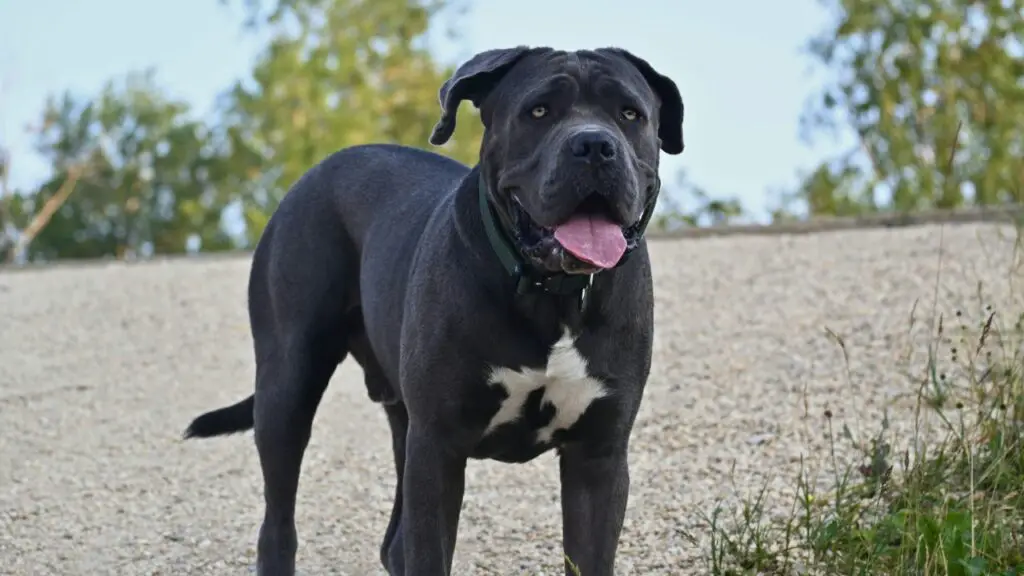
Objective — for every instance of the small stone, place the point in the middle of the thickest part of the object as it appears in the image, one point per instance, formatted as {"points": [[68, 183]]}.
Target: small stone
{"points": [[759, 439]]}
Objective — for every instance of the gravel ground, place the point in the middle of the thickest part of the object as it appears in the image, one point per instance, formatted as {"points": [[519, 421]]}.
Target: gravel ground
{"points": [[102, 366]]}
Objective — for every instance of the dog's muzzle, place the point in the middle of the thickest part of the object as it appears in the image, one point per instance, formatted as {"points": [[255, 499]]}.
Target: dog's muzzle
{"points": [[535, 255]]}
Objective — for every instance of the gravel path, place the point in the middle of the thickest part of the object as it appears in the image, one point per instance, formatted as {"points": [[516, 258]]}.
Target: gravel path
{"points": [[101, 367]]}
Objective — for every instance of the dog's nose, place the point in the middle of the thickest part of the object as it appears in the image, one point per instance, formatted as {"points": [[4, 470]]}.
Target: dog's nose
{"points": [[595, 146]]}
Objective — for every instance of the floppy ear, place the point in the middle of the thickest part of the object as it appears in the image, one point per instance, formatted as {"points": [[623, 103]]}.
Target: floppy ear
{"points": [[670, 120], [472, 81]]}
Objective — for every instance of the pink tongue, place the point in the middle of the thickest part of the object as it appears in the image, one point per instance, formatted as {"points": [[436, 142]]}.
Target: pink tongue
{"points": [[592, 238]]}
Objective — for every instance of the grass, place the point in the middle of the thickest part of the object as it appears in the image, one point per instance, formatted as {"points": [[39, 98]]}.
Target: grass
{"points": [[945, 499]]}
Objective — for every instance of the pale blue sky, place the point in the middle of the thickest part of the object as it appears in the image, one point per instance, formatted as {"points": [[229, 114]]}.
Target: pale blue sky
{"points": [[738, 64]]}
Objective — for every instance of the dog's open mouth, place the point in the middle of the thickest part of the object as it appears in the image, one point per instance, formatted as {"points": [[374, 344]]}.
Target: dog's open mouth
{"points": [[585, 243]]}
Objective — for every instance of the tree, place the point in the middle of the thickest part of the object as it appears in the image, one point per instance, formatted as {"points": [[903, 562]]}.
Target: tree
{"points": [[148, 178], [7, 229], [338, 73], [933, 91]]}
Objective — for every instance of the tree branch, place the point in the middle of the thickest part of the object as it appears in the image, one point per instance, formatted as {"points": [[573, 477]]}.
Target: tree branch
{"points": [[43, 216]]}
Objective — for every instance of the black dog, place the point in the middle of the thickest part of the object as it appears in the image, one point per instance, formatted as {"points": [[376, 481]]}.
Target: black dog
{"points": [[497, 311]]}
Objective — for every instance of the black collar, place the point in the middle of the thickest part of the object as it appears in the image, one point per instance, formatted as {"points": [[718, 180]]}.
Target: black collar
{"points": [[528, 280]]}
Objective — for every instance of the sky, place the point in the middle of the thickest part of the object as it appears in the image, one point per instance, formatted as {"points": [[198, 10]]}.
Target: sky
{"points": [[740, 67]]}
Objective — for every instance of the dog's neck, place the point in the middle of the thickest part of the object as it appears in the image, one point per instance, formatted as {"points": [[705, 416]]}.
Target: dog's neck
{"points": [[527, 280], [555, 299]]}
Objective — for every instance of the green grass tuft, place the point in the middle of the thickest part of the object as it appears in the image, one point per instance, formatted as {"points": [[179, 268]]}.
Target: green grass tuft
{"points": [[947, 501]]}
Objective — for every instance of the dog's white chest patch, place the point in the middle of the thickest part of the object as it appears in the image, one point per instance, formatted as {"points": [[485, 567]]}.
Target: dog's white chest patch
{"points": [[568, 388]]}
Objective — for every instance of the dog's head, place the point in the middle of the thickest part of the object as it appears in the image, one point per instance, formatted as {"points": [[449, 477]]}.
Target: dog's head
{"points": [[570, 147]]}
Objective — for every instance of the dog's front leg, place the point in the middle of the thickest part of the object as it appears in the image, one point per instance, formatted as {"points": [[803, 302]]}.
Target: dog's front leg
{"points": [[434, 484], [594, 494]]}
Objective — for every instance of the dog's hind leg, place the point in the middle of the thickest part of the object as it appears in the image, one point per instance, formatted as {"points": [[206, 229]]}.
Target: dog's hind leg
{"points": [[380, 390], [297, 311], [289, 387], [391, 553]]}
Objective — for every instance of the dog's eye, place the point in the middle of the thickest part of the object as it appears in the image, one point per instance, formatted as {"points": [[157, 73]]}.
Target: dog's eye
{"points": [[630, 114], [539, 111]]}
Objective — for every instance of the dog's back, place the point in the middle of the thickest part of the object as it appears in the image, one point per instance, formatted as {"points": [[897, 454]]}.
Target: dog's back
{"points": [[359, 202], [362, 186], [305, 281]]}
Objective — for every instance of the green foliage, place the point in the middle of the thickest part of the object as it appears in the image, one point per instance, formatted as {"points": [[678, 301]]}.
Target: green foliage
{"points": [[6, 226], [686, 205], [952, 508], [910, 80], [339, 73], [930, 89], [150, 176], [154, 179]]}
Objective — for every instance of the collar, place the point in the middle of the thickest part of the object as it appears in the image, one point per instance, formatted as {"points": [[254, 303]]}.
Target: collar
{"points": [[527, 280]]}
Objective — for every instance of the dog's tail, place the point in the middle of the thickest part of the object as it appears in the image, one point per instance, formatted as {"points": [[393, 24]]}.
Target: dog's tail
{"points": [[228, 420]]}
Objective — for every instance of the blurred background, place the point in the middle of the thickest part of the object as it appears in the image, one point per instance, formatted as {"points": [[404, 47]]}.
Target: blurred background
{"points": [[130, 128]]}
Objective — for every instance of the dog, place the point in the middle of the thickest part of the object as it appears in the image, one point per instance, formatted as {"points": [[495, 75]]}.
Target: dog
{"points": [[498, 311]]}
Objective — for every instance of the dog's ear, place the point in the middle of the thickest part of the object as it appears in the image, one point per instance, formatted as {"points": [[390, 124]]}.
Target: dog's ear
{"points": [[472, 81], [670, 120]]}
